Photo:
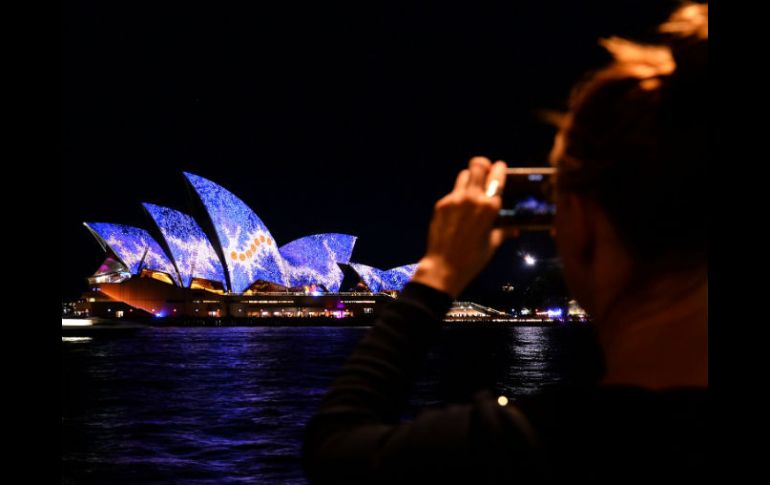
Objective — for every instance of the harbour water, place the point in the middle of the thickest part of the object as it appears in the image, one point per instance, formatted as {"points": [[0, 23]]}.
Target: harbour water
{"points": [[228, 405]]}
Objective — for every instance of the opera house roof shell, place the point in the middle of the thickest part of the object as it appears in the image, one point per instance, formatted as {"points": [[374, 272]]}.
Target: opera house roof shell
{"points": [[231, 246]]}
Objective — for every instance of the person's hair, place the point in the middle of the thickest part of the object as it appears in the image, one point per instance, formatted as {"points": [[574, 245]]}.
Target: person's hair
{"points": [[634, 139]]}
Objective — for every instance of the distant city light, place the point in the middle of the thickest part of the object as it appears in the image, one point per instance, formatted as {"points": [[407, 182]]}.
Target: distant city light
{"points": [[529, 260], [554, 312], [575, 310]]}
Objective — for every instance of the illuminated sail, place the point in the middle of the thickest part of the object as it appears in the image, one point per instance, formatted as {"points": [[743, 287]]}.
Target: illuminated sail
{"points": [[313, 259], [384, 280], [135, 248], [192, 251], [249, 250]]}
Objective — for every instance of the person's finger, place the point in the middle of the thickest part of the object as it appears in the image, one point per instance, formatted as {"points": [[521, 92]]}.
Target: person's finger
{"points": [[496, 237], [496, 179], [462, 180], [479, 168]]}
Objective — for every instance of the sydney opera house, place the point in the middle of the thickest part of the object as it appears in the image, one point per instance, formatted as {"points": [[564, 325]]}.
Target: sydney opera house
{"points": [[224, 263]]}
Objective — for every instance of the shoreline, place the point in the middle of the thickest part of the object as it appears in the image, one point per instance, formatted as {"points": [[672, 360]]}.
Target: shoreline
{"points": [[100, 326]]}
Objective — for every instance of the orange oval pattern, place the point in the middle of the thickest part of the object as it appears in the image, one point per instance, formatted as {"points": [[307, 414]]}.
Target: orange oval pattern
{"points": [[251, 249]]}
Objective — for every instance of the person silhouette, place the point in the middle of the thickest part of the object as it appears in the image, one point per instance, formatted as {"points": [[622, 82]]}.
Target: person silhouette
{"points": [[631, 159]]}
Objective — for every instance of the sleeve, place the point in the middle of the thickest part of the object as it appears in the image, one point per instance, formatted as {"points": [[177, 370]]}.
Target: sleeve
{"points": [[356, 437]]}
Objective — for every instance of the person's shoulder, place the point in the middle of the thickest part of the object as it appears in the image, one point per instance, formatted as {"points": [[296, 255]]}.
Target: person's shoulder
{"points": [[608, 401], [602, 412], [608, 416], [628, 427], [617, 394]]}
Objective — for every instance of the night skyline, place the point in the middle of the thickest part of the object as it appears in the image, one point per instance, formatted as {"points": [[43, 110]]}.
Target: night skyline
{"points": [[353, 122]]}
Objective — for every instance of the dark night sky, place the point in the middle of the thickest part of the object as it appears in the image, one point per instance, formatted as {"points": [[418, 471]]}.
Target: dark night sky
{"points": [[349, 119]]}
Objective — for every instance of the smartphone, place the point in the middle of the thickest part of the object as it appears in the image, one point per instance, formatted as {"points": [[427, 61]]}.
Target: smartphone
{"points": [[527, 199]]}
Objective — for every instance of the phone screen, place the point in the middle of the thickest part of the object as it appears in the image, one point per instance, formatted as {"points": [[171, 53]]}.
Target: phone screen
{"points": [[527, 201]]}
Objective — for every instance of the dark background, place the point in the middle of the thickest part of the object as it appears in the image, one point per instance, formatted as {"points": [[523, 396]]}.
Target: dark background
{"points": [[323, 118]]}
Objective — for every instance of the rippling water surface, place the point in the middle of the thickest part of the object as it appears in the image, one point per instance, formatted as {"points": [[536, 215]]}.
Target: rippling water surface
{"points": [[228, 405]]}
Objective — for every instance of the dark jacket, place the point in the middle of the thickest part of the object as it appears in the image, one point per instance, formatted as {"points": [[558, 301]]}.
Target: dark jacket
{"points": [[619, 434]]}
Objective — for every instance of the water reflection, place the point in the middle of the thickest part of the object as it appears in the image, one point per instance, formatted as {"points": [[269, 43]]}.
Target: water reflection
{"points": [[226, 405], [76, 339]]}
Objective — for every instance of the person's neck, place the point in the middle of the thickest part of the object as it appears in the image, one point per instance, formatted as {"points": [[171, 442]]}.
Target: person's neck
{"points": [[657, 338]]}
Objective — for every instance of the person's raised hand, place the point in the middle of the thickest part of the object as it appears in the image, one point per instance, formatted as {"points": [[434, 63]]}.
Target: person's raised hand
{"points": [[462, 237]]}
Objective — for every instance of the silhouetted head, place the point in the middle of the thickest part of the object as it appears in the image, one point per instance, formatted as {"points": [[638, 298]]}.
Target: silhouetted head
{"points": [[632, 159]]}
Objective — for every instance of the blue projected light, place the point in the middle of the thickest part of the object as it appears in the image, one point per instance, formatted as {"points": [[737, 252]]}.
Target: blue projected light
{"points": [[313, 259], [378, 280], [531, 205], [371, 276], [194, 255], [250, 251], [134, 246], [397, 277]]}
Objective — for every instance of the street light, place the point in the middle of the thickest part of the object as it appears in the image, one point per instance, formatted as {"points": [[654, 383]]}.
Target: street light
{"points": [[529, 260]]}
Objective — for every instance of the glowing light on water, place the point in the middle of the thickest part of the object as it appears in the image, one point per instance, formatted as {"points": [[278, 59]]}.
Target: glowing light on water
{"points": [[76, 322], [76, 339]]}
